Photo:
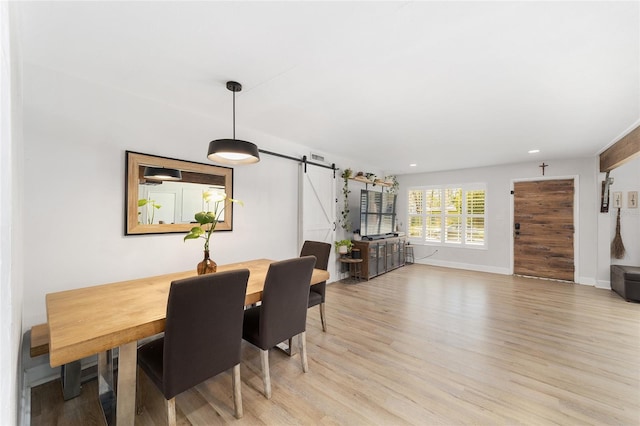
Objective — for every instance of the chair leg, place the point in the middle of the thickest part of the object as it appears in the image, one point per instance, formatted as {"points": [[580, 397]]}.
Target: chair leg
{"points": [[322, 317], [266, 378], [302, 342], [237, 392], [171, 411]]}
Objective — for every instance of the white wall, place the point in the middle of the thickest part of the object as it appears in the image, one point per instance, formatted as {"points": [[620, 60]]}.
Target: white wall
{"points": [[497, 256], [10, 259], [625, 178]]}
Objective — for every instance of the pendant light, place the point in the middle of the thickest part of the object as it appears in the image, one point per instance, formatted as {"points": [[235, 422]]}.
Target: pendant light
{"points": [[161, 173], [233, 151]]}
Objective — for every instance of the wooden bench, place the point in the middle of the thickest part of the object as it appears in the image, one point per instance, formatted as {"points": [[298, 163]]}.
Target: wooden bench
{"points": [[39, 340], [69, 373]]}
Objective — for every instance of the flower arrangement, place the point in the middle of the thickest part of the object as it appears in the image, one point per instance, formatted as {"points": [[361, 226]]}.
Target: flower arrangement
{"points": [[209, 217]]}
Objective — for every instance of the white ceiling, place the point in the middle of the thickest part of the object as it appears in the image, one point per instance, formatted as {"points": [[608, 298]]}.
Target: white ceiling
{"points": [[446, 85]]}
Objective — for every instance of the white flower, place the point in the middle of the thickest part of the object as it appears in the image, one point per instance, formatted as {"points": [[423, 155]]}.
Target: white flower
{"points": [[209, 217], [213, 196]]}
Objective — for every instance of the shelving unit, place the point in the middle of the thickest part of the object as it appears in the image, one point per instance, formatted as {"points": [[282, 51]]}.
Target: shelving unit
{"points": [[380, 256], [378, 182]]}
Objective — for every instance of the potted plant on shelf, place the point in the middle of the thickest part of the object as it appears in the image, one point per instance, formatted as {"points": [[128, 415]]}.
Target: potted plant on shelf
{"points": [[343, 246], [371, 177]]}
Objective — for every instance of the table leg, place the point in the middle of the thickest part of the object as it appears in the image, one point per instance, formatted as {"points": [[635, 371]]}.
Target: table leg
{"points": [[118, 404], [126, 397], [106, 386], [70, 377]]}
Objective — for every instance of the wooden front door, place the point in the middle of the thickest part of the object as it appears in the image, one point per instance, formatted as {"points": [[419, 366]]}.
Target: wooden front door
{"points": [[543, 229]]}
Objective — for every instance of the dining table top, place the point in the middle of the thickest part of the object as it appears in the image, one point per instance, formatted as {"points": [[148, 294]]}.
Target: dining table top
{"points": [[89, 320]]}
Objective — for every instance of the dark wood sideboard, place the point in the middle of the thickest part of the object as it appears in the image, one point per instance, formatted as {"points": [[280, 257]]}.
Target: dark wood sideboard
{"points": [[380, 256]]}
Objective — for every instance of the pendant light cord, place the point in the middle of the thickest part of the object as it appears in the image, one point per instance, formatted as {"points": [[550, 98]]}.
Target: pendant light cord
{"points": [[234, 115]]}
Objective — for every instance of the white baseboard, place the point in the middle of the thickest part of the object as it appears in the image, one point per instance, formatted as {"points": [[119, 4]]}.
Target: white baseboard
{"points": [[587, 281], [466, 266], [503, 271]]}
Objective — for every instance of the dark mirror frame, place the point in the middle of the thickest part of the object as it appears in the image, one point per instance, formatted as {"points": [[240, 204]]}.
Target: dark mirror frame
{"points": [[136, 161]]}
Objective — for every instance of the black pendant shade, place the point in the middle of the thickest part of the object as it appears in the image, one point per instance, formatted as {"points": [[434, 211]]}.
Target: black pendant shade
{"points": [[161, 173], [233, 151]]}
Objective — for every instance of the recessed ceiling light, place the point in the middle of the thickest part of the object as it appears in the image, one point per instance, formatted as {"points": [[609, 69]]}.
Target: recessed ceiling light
{"points": [[412, 165], [534, 151]]}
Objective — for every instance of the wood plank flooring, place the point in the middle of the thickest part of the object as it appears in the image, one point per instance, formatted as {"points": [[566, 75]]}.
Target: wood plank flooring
{"points": [[425, 345]]}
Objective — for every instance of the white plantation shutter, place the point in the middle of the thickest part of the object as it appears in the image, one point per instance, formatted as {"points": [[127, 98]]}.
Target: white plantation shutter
{"points": [[433, 212], [416, 209], [453, 215], [474, 231]]}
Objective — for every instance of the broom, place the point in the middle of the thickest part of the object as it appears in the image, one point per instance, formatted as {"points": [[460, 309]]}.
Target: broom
{"points": [[617, 247]]}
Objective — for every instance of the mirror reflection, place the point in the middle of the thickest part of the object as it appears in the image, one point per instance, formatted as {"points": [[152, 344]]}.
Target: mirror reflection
{"points": [[158, 203]]}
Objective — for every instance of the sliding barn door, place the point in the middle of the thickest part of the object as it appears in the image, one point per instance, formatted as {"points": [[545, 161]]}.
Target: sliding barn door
{"points": [[543, 229], [319, 208]]}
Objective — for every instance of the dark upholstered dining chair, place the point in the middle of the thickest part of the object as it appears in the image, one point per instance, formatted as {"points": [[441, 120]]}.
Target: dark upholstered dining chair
{"points": [[321, 251], [282, 313], [202, 337]]}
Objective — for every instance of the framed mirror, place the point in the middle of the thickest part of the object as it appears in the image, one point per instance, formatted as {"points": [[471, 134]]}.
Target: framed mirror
{"points": [[159, 205]]}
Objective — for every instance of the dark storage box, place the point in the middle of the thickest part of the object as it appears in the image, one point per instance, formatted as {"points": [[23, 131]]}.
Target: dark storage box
{"points": [[625, 280]]}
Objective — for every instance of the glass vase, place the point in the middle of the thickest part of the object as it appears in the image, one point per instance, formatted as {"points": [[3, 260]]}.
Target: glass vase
{"points": [[207, 266]]}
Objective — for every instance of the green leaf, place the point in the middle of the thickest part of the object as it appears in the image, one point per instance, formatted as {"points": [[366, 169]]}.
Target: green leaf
{"points": [[205, 217], [195, 233], [142, 202]]}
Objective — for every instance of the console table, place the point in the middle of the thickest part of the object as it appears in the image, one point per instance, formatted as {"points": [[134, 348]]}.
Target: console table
{"points": [[380, 256]]}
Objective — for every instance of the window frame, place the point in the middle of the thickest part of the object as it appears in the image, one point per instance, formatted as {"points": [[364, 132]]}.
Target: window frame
{"points": [[463, 216]]}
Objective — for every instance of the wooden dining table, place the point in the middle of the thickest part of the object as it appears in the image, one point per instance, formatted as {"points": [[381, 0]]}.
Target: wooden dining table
{"points": [[98, 319]]}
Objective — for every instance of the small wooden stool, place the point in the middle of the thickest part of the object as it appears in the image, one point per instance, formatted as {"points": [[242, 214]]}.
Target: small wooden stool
{"points": [[355, 267]]}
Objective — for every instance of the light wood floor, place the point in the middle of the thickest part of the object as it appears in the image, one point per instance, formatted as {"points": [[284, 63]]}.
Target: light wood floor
{"points": [[424, 345]]}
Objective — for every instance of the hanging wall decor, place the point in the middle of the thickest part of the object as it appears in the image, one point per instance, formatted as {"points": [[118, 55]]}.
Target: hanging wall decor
{"points": [[617, 247]]}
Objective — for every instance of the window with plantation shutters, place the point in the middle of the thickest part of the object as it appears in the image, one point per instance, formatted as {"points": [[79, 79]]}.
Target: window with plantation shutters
{"points": [[474, 229], [450, 215], [416, 209], [433, 215]]}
